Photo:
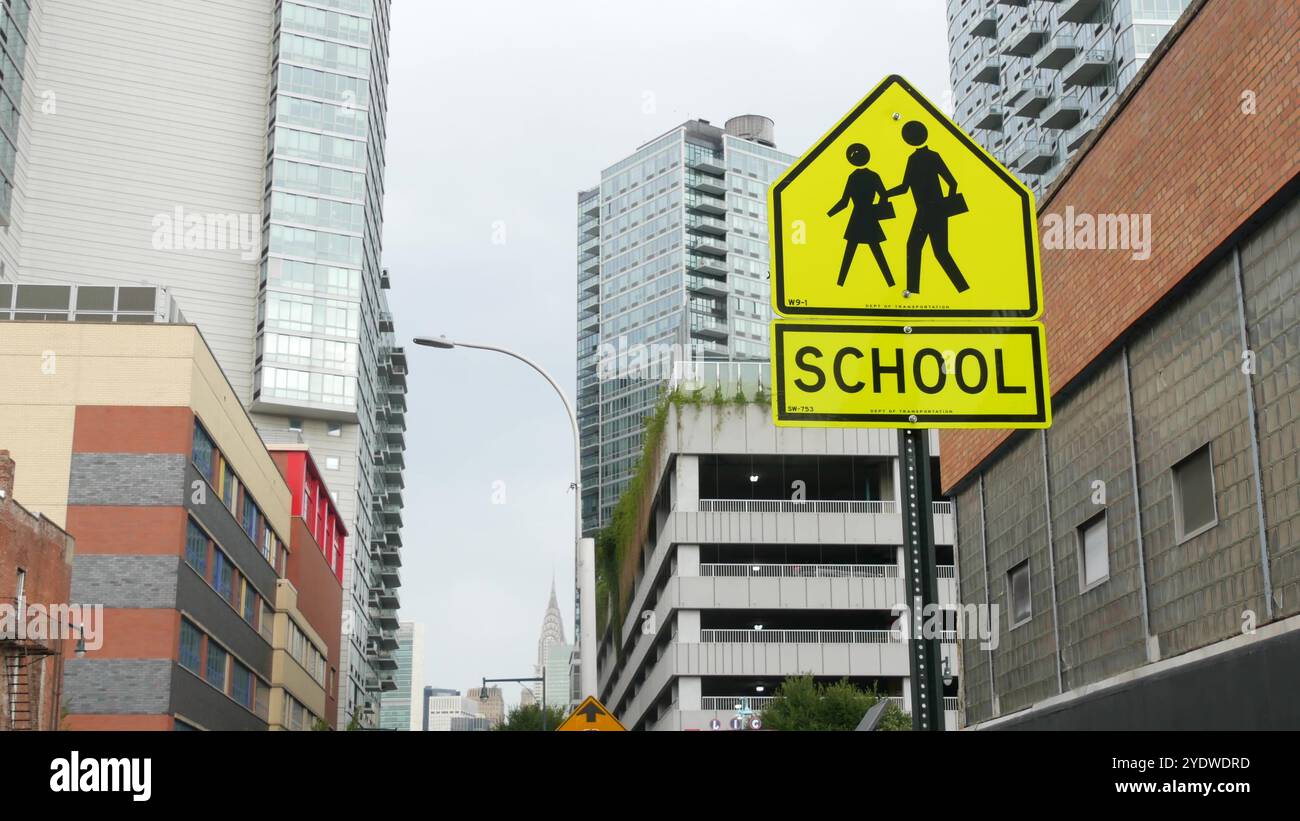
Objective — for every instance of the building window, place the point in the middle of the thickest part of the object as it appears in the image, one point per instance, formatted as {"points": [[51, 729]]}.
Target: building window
{"points": [[215, 671], [331, 463], [1094, 551], [202, 451], [1018, 593], [335, 429], [196, 549], [223, 576], [191, 647], [295, 425], [241, 684], [1194, 508]]}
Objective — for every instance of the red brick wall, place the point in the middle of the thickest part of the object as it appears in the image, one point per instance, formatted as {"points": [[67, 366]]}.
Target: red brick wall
{"points": [[1183, 151], [45, 553], [115, 429], [320, 600]]}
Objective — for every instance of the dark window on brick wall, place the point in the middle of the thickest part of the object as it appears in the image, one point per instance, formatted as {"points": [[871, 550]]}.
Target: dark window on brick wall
{"points": [[1018, 593], [1194, 507]]}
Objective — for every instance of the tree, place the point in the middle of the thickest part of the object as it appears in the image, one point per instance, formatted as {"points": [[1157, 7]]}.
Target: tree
{"points": [[528, 718], [800, 703]]}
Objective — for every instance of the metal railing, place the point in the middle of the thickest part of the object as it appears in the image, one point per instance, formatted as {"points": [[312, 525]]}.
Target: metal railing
{"points": [[741, 636], [734, 702], [811, 571], [790, 506], [809, 506]]}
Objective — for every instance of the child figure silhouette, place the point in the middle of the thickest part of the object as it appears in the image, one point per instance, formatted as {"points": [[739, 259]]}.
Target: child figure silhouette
{"points": [[862, 189]]}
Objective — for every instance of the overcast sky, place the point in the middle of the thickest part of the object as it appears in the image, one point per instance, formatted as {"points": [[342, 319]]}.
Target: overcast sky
{"points": [[498, 113]]}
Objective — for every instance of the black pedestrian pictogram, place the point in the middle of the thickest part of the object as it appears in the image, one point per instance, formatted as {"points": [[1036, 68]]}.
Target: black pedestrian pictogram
{"points": [[925, 169], [862, 189]]}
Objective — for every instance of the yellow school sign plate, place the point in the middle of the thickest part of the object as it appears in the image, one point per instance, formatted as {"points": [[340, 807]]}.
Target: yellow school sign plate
{"points": [[591, 715], [896, 212], [899, 375]]}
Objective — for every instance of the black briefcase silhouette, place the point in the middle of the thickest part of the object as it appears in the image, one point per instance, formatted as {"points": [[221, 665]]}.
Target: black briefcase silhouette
{"points": [[953, 205], [884, 210]]}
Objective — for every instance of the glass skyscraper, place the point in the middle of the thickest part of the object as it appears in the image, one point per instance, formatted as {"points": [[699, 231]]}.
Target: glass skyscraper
{"points": [[402, 708], [13, 51], [327, 363], [1031, 79], [672, 266]]}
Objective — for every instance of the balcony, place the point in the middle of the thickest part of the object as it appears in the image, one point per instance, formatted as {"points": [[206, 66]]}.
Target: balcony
{"points": [[707, 245], [1076, 136], [1030, 98], [1063, 113], [591, 208], [1056, 52], [708, 325], [390, 556], [986, 25], [708, 164], [387, 619], [707, 184], [706, 265], [1035, 155], [390, 576], [706, 225], [388, 639], [392, 514], [989, 116], [372, 684], [1025, 38], [989, 70], [386, 322], [1089, 68], [706, 204], [706, 285], [1077, 11]]}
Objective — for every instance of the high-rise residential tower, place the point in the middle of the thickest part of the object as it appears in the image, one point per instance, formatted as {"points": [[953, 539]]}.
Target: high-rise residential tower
{"points": [[239, 165], [1032, 78], [672, 265]]}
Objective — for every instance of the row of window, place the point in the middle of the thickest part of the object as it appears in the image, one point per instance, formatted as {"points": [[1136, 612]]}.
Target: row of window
{"points": [[215, 567], [1195, 511], [308, 656], [296, 716], [203, 656], [210, 462]]}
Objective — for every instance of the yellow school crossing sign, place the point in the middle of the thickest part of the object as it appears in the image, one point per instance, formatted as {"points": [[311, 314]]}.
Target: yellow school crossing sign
{"points": [[924, 252], [896, 212], [894, 374]]}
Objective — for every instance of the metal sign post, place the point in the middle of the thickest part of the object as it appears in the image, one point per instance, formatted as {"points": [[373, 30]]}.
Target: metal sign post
{"points": [[921, 578]]}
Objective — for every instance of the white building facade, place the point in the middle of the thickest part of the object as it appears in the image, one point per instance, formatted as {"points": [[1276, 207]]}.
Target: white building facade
{"points": [[771, 553]]}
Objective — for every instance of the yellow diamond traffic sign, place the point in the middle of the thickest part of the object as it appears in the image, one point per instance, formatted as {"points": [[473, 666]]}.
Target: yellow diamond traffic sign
{"points": [[896, 212], [591, 715], [891, 374]]}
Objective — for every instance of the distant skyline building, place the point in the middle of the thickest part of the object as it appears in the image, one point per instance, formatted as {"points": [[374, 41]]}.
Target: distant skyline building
{"points": [[449, 711], [554, 656], [400, 709], [1032, 79], [493, 708], [672, 264]]}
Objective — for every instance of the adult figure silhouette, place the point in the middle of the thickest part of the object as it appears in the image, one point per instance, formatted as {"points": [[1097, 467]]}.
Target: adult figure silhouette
{"points": [[862, 189], [925, 169]]}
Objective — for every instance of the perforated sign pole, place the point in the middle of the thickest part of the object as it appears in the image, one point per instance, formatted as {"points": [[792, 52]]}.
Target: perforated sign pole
{"points": [[921, 576]]}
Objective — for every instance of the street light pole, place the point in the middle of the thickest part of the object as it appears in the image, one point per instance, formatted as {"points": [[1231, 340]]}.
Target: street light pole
{"points": [[584, 549]]}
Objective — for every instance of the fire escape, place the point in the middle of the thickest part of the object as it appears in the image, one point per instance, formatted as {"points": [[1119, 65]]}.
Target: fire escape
{"points": [[17, 656]]}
